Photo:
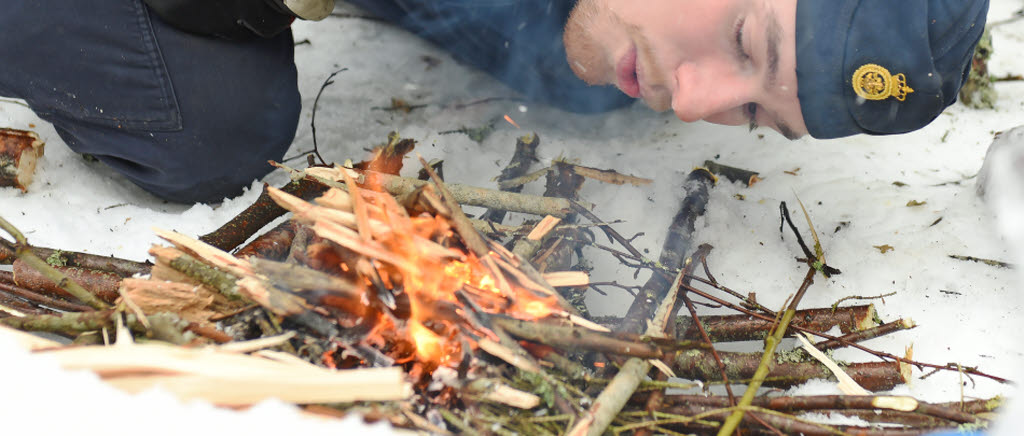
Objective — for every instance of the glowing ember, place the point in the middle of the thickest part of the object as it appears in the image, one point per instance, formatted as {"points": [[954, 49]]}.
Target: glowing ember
{"points": [[512, 122]]}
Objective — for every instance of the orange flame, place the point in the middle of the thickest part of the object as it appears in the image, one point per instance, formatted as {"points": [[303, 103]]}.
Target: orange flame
{"points": [[431, 281]]}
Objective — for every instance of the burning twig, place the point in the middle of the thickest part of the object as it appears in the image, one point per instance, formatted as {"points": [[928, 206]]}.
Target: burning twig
{"points": [[463, 194]]}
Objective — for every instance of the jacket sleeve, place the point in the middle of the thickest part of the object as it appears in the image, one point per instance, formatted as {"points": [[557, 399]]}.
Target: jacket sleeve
{"points": [[227, 19], [517, 41]]}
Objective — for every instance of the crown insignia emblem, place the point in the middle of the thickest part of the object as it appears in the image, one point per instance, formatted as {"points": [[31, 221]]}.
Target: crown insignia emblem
{"points": [[874, 82]]}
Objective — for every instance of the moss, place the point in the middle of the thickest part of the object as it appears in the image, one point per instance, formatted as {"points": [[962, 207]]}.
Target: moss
{"points": [[978, 92]]}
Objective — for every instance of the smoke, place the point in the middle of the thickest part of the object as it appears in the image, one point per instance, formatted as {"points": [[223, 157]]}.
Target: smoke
{"points": [[519, 42]]}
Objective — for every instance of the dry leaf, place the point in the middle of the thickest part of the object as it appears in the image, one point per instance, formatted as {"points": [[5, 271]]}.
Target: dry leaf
{"points": [[883, 248]]}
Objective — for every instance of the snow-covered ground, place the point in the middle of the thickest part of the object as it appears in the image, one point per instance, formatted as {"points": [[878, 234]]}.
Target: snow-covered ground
{"points": [[967, 312]]}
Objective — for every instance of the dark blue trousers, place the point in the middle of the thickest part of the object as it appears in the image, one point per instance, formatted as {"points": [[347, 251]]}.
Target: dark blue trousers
{"points": [[194, 119], [185, 117]]}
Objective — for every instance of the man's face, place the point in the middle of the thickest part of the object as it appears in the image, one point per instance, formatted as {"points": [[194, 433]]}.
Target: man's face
{"points": [[723, 61]]}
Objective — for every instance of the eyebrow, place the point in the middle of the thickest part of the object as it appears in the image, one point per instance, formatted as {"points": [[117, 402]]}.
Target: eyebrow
{"points": [[773, 33]]}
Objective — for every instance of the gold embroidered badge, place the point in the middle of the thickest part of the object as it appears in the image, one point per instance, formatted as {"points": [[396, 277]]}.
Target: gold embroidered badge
{"points": [[873, 82]]}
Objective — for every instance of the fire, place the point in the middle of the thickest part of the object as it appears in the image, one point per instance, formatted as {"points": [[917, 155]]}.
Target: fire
{"points": [[437, 289], [425, 297]]}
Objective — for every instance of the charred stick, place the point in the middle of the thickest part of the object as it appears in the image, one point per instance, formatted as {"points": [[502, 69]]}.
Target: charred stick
{"points": [[863, 335], [733, 174], [524, 155], [677, 245], [102, 284], [272, 245], [40, 299], [259, 214]]}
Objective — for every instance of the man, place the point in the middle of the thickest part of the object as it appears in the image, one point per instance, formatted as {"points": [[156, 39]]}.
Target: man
{"points": [[189, 98], [828, 68]]}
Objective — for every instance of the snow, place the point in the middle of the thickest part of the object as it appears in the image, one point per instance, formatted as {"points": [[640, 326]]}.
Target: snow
{"points": [[967, 312]]}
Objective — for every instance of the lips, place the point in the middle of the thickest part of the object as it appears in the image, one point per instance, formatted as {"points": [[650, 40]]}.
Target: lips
{"points": [[626, 74]]}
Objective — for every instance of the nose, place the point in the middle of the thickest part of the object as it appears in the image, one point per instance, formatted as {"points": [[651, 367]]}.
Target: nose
{"points": [[706, 89]]}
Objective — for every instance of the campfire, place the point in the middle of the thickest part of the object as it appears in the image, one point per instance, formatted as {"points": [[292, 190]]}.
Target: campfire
{"points": [[380, 296]]}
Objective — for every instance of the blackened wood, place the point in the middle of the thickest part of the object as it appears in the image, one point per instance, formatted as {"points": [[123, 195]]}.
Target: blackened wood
{"points": [[259, 214], [678, 243], [524, 156], [272, 245]]}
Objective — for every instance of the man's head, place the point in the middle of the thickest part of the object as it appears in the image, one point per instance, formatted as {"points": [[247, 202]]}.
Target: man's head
{"points": [[863, 66], [723, 61]]}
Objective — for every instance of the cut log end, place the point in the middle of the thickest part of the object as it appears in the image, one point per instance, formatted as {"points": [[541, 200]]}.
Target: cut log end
{"points": [[19, 152]]}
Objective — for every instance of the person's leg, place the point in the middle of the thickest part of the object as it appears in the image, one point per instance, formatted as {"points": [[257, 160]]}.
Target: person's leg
{"points": [[517, 41], [187, 118]]}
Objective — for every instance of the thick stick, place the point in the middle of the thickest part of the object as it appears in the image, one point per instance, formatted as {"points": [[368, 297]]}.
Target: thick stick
{"points": [[728, 328], [19, 151], [259, 214], [23, 251], [122, 267], [102, 284], [733, 174], [677, 245], [873, 376], [272, 245]]}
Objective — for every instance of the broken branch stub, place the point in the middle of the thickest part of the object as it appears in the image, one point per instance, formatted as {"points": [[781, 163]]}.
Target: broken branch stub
{"points": [[19, 152]]}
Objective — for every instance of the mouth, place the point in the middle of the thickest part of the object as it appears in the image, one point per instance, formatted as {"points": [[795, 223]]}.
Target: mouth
{"points": [[626, 74]]}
